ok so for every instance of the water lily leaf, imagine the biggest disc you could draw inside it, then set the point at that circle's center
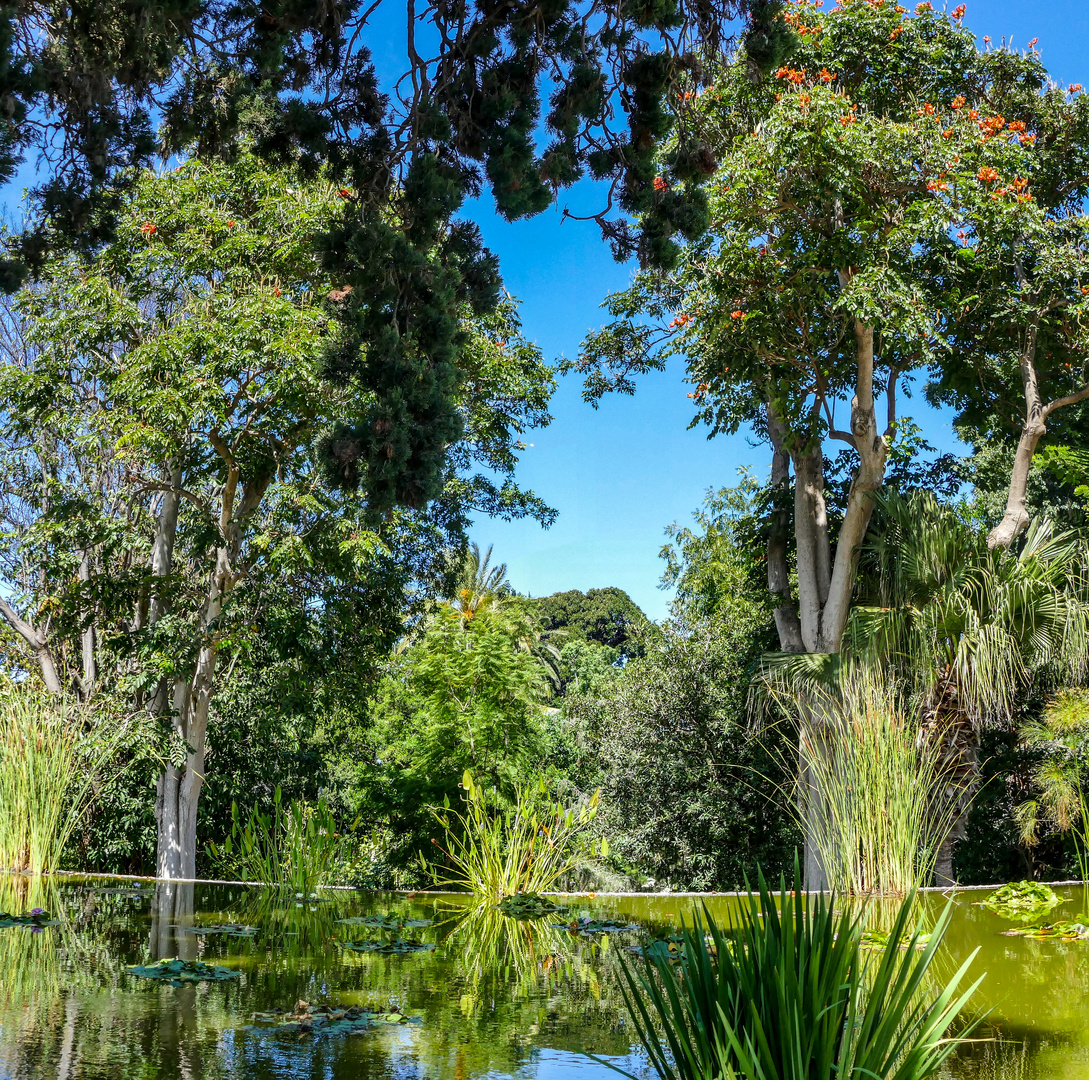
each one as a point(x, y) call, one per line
point(1022, 901)
point(589, 926)
point(1058, 931)
point(668, 947)
point(306, 1019)
point(230, 929)
point(391, 923)
point(180, 972)
point(398, 947)
point(878, 941)
point(528, 906)
point(32, 920)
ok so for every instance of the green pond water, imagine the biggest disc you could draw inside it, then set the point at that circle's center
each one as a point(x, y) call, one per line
point(496, 998)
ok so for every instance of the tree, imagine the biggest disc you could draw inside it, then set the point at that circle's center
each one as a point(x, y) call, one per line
point(826, 275)
point(607, 616)
point(161, 413)
point(1018, 329)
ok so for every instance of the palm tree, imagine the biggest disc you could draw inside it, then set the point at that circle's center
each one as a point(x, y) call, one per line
point(968, 628)
point(479, 587)
point(963, 628)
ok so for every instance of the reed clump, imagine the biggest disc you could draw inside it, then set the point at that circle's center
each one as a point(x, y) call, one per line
point(873, 789)
point(493, 852)
point(792, 991)
point(48, 760)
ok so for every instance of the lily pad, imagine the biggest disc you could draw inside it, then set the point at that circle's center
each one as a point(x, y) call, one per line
point(878, 941)
point(384, 922)
point(1022, 901)
point(528, 906)
point(667, 947)
point(180, 972)
point(1058, 931)
point(585, 925)
point(34, 919)
point(134, 889)
point(230, 929)
point(307, 1019)
point(397, 947)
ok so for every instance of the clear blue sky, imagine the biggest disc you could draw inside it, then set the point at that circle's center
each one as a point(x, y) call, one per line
point(620, 474)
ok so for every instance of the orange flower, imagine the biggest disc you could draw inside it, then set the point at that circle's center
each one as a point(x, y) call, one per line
point(660, 184)
point(826, 75)
point(847, 119)
point(737, 314)
point(1033, 42)
point(992, 125)
point(147, 228)
point(276, 292)
point(927, 109)
point(958, 11)
point(987, 174)
point(344, 193)
point(803, 99)
point(959, 102)
point(230, 224)
point(1074, 89)
point(934, 185)
point(896, 33)
point(925, 6)
point(948, 134)
point(681, 320)
point(1030, 139)
point(1016, 125)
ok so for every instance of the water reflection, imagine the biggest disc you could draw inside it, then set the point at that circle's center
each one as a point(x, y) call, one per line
point(497, 997)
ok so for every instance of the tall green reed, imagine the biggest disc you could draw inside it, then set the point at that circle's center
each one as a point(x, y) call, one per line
point(789, 993)
point(296, 847)
point(872, 794)
point(494, 852)
point(49, 757)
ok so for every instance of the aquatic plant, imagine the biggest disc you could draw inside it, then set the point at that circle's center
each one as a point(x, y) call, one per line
point(495, 852)
point(307, 1019)
point(396, 947)
point(228, 929)
point(296, 848)
point(392, 923)
point(585, 925)
point(872, 794)
point(1078, 930)
point(180, 972)
point(48, 765)
point(529, 905)
point(796, 997)
point(1022, 900)
point(35, 919)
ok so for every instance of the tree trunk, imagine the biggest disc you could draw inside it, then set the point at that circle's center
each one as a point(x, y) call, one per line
point(786, 611)
point(87, 635)
point(38, 642)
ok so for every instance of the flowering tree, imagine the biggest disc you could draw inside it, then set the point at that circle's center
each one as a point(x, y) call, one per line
point(825, 279)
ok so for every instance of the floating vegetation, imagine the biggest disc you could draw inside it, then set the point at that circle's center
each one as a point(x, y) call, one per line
point(391, 923)
point(230, 929)
point(1059, 931)
point(307, 1019)
point(34, 920)
point(586, 925)
point(667, 947)
point(528, 906)
point(878, 941)
point(134, 889)
point(180, 972)
point(1022, 901)
point(397, 947)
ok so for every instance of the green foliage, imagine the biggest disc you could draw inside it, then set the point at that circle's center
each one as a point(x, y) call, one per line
point(870, 789)
point(796, 996)
point(495, 852)
point(182, 972)
point(607, 616)
point(1058, 931)
point(1022, 900)
point(50, 757)
point(307, 1019)
point(295, 848)
point(528, 906)
point(690, 794)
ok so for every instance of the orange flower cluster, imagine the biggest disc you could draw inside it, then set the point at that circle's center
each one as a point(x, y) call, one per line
point(680, 321)
point(926, 110)
point(1032, 43)
point(847, 118)
point(737, 315)
point(147, 228)
point(948, 134)
point(660, 184)
point(804, 99)
point(700, 390)
point(1075, 88)
point(959, 102)
point(896, 33)
point(344, 193)
point(958, 11)
point(1030, 139)
point(937, 185)
point(826, 75)
point(987, 174)
point(925, 6)
point(792, 75)
point(991, 125)
point(1017, 125)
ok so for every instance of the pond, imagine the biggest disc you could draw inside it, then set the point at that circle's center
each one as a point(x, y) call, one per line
point(494, 998)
